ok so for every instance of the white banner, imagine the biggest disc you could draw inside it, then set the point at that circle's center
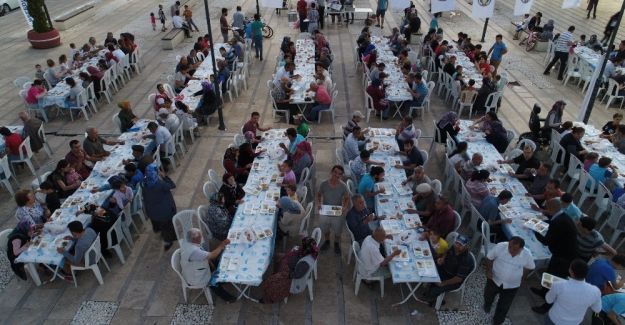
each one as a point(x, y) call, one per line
point(567, 4)
point(29, 19)
point(483, 8)
point(443, 5)
point(399, 5)
point(271, 3)
point(593, 80)
point(522, 7)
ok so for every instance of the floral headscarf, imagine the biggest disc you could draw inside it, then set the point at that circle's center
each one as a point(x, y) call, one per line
point(309, 246)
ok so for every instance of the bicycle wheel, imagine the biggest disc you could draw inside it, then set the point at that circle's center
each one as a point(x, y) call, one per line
point(267, 31)
point(530, 45)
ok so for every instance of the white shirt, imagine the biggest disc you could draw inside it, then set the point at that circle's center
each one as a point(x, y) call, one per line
point(562, 44)
point(370, 255)
point(161, 136)
point(279, 74)
point(571, 299)
point(508, 269)
point(350, 148)
point(177, 21)
point(119, 54)
point(172, 122)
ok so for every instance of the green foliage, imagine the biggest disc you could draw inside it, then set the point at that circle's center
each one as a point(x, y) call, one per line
point(41, 24)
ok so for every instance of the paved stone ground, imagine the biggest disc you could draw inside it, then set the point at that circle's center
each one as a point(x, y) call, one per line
point(145, 290)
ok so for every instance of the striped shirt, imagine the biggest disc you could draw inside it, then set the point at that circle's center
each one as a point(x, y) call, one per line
point(586, 245)
point(562, 44)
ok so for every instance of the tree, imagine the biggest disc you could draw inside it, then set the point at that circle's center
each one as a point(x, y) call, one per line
point(41, 20)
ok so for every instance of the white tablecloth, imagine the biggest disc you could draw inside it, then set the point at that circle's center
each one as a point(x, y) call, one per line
point(518, 208)
point(56, 95)
point(397, 88)
point(305, 67)
point(242, 262)
point(593, 143)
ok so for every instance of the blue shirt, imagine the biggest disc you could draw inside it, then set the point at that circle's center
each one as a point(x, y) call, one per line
point(600, 272)
point(599, 173)
point(613, 303)
point(498, 49)
point(382, 5)
point(298, 138)
point(421, 89)
point(489, 209)
point(367, 184)
point(573, 211)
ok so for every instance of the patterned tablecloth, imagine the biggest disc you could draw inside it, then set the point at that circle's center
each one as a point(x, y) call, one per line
point(469, 71)
point(54, 230)
point(245, 261)
point(56, 95)
point(593, 143)
point(205, 70)
point(392, 205)
point(305, 67)
point(397, 88)
point(518, 209)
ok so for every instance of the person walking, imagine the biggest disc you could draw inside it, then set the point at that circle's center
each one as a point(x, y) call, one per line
point(321, 8)
point(161, 17)
point(609, 28)
point(153, 21)
point(497, 52)
point(257, 36)
point(223, 23)
point(238, 21)
point(187, 14)
point(561, 52)
point(592, 6)
point(506, 265)
point(313, 18)
point(380, 12)
point(302, 11)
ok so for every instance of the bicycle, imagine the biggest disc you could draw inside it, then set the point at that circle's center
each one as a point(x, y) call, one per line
point(267, 30)
point(530, 41)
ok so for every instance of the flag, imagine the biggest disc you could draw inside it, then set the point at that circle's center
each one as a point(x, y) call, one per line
point(271, 3)
point(593, 80)
point(522, 7)
point(483, 8)
point(566, 4)
point(443, 5)
point(24, 7)
point(398, 5)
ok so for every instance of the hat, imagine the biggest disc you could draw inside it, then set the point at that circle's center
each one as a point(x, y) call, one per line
point(163, 111)
point(424, 188)
point(124, 104)
point(137, 147)
point(462, 240)
point(160, 101)
point(358, 114)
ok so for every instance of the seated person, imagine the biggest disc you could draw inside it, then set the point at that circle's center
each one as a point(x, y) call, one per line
point(590, 241)
point(453, 268)
point(294, 140)
point(17, 242)
point(612, 305)
point(217, 217)
point(526, 161)
point(571, 210)
point(405, 131)
point(322, 99)
point(78, 158)
point(489, 209)
point(232, 192)
point(102, 219)
point(467, 168)
point(52, 201)
point(287, 174)
point(357, 117)
point(373, 263)
point(417, 178)
point(81, 238)
point(253, 125)
point(424, 200)
point(360, 164)
point(126, 116)
point(358, 218)
point(540, 180)
point(28, 209)
point(12, 142)
point(367, 187)
point(438, 245)
point(602, 273)
point(602, 170)
point(196, 262)
point(377, 91)
point(292, 212)
point(168, 120)
point(94, 144)
point(443, 219)
point(413, 157)
point(477, 186)
point(551, 190)
point(354, 143)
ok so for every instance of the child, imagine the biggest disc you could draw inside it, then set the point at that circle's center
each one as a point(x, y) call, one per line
point(161, 16)
point(51, 199)
point(39, 75)
point(286, 171)
point(72, 177)
point(591, 158)
point(153, 21)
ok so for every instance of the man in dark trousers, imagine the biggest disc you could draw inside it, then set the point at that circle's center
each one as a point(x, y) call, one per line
point(561, 52)
point(561, 238)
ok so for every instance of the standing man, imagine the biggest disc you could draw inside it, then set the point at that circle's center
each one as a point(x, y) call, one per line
point(175, 7)
point(571, 298)
point(496, 52)
point(379, 13)
point(333, 192)
point(162, 18)
point(302, 11)
point(257, 36)
point(592, 6)
point(561, 52)
point(507, 264)
point(238, 21)
point(188, 17)
point(321, 7)
point(223, 23)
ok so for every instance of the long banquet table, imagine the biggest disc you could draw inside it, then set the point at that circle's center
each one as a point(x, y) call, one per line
point(518, 209)
point(593, 143)
point(415, 264)
point(304, 67)
point(397, 88)
point(44, 251)
point(252, 233)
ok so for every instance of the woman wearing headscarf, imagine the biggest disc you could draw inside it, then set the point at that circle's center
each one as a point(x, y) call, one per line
point(126, 116)
point(448, 124)
point(292, 212)
point(232, 192)
point(547, 33)
point(159, 203)
point(377, 93)
point(230, 164)
point(217, 218)
point(292, 271)
point(18, 242)
point(302, 158)
point(208, 103)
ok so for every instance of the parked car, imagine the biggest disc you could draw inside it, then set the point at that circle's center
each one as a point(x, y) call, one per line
point(8, 5)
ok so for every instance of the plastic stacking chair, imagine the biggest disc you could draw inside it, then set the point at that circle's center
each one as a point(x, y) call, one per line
point(118, 233)
point(439, 299)
point(175, 264)
point(93, 256)
point(362, 276)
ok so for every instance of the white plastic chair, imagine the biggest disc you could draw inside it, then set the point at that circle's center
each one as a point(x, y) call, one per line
point(439, 299)
point(437, 187)
point(573, 172)
point(175, 264)
point(353, 240)
point(90, 264)
point(359, 273)
point(331, 109)
point(117, 230)
point(171, 156)
point(42, 136)
point(303, 226)
point(602, 202)
point(20, 81)
point(369, 106)
point(26, 156)
point(317, 236)
point(467, 99)
point(117, 121)
point(573, 70)
point(424, 155)
point(81, 106)
point(458, 221)
point(179, 140)
point(302, 194)
point(7, 173)
point(185, 220)
point(614, 219)
point(304, 177)
point(239, 139)
point(4, 239)
point(587, 187)
point(275, 107)
point(612, 93)
point(212, 176)
point(556, 151)
point(136, 205)
point(33, 109)
point(491, 102)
